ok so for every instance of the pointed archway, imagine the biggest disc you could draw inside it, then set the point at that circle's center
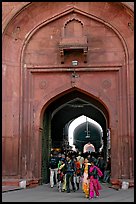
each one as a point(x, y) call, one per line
point(61, 111)
point(83, 130)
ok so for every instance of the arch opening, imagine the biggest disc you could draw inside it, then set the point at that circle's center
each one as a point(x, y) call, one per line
point(56, 124)
point(83, 130)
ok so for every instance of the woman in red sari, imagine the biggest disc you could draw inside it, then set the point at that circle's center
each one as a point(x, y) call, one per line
point(94, 173)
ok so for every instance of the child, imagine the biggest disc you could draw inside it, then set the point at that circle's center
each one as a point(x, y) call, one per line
point(60, 174)
point(77, 174)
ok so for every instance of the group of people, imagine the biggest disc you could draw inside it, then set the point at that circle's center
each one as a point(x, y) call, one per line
point(90, 182)
point(68, 171)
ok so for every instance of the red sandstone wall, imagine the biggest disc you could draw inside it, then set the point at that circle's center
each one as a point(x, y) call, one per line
point(42, 49)
point(9, 9)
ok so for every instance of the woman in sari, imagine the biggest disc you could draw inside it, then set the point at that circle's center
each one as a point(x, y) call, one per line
point(94, 173)
point(85, 178)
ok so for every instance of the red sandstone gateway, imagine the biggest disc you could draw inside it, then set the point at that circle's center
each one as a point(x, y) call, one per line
point(62, 61)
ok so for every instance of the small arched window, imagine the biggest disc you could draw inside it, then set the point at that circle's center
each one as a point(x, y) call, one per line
point(73, 28)
point(73, 39)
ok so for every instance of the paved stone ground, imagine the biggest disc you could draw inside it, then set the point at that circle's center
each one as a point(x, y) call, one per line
point(44, 193)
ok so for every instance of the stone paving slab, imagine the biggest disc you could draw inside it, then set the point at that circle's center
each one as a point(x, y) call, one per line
point(44, 193)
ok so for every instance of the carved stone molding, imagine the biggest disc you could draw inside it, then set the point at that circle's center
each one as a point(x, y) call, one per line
point(106, 84)
point(43, 84)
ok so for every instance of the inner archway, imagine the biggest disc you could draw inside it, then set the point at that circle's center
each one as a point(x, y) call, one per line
point(83, 130)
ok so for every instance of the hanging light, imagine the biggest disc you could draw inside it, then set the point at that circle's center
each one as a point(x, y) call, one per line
point(87, 130)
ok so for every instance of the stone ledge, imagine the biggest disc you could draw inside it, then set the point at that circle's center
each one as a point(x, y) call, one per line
point(117, 183)
point(15, 183)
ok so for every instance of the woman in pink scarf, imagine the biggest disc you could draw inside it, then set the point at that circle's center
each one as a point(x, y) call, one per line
point(94, 173)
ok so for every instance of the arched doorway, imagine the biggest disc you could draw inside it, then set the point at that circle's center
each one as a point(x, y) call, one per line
point(60, 112)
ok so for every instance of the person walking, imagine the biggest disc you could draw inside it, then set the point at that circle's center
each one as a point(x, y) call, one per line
point(85, 177)
point(107, 171)
point(61, 174)
point(80, 158)
point(77, 174)
point(53, 166)
point(70, 172)
point(101, 164)
point(64, 172)
point(94, 173)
